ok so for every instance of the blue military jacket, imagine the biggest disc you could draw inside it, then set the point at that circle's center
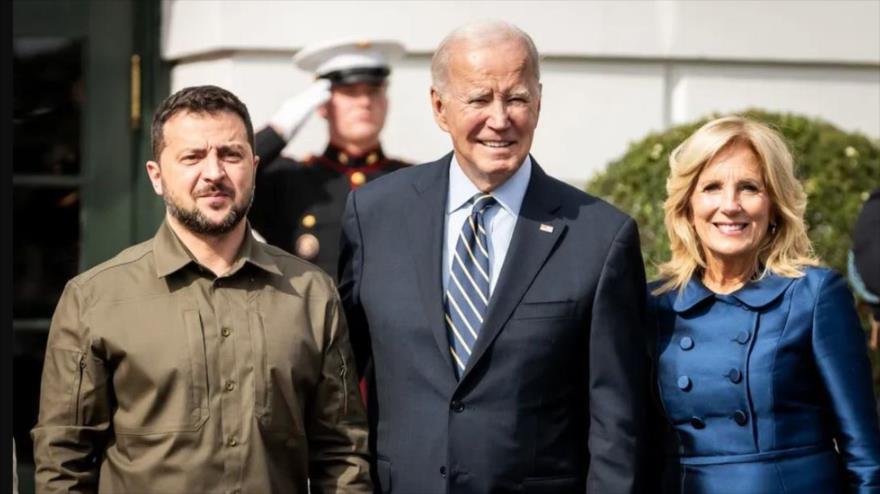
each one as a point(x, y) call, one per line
point(759, 385)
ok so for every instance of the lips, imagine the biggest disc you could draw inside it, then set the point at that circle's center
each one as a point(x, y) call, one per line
point(497, 144)
point(731, 228)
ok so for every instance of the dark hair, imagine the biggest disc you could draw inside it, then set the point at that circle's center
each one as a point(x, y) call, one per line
point(197, 99)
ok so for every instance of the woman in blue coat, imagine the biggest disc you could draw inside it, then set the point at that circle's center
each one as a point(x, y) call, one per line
point(761, 365)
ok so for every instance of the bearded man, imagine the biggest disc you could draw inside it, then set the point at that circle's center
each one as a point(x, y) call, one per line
point(201, 360)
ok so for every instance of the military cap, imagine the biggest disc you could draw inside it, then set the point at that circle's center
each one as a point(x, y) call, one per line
point(350, 61)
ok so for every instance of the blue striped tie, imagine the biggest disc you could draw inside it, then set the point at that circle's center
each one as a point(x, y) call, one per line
point(467, 293)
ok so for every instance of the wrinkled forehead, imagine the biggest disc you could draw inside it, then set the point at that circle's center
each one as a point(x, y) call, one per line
point(473, 61)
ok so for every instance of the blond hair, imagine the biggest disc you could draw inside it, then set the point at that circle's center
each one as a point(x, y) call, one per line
point(785, 251)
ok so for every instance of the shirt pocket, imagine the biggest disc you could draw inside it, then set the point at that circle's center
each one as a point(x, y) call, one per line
point(165, 380)
point(276, 404)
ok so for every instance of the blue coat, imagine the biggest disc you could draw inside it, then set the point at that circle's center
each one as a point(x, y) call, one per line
point(758, 385)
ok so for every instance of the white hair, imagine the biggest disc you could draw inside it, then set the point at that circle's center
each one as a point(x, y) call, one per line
point(480, 33)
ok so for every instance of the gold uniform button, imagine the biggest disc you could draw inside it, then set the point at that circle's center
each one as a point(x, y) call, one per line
point(372, 158)
point(307, 246)
point(309, 220)
point(343, 158)
point(358, 178)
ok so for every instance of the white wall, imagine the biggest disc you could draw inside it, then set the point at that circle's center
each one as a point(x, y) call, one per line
point(612, 71)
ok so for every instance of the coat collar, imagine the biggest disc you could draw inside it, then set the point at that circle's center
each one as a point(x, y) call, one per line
point(755, 294)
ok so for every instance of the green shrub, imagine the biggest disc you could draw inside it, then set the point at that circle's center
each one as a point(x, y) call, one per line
point(838, 170)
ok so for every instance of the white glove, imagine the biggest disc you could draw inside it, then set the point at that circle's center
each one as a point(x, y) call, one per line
point(294, 111)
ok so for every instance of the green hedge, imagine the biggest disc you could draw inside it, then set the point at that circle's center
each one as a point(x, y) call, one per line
point(838, 170)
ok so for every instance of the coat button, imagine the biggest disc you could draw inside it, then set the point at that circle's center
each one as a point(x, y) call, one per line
point(684, 383)
point(229, 386)
point(697, 423)
point(443, 471)
point(734, 375)
point(740, 417)
point(743, 337)
point(686, 343)
point(457, 406)
point(225, 332)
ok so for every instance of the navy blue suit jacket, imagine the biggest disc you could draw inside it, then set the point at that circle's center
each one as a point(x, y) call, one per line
point(553, 396)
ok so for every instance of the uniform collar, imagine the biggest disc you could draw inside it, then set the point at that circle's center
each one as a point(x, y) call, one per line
point(754, 294)
point(171, 255)
point(337, 155)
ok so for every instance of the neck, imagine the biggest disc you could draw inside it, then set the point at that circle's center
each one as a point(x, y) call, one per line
point(728, 276)
point(355, 148)
point(215, 252)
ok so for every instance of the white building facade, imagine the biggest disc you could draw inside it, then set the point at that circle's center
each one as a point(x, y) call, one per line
point(612, 71)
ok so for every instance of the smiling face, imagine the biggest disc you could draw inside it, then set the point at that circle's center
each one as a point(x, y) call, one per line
point(731, 208)
point(489, 106)
point(205, 172)
point(356, 114)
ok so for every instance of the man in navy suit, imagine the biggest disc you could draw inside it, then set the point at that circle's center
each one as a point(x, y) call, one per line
point(503, 309)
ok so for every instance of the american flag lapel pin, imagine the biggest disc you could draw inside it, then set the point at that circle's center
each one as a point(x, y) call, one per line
point(546, 228)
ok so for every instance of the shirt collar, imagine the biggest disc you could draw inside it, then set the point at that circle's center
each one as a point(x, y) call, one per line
point(509, 195)
point(754, 294)
point(171, 254)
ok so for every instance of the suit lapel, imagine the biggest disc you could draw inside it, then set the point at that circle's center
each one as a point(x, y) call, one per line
point(530, 246)
point(426, 214)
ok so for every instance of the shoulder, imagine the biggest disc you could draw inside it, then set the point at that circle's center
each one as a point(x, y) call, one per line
point(304, 276)
point(661, 301)
point(137, 257)
point(575, 198)
point(118, 277)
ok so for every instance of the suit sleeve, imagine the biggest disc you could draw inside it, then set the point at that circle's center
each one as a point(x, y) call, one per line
point(337, 430)
point(842, 359)
point(75, 405)
point(351, 264)
point(618, 369)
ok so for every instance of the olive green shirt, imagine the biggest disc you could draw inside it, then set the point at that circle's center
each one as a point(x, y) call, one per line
point(161, 377)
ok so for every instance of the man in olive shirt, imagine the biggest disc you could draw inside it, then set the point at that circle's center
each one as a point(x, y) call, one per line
point(201, 360)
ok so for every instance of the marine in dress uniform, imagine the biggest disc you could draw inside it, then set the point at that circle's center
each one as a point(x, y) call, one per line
point(299, 203)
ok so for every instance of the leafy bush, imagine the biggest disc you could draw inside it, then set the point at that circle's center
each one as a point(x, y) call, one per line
point(838, 170)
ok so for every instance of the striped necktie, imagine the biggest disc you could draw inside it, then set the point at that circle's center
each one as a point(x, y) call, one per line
point(467, 294)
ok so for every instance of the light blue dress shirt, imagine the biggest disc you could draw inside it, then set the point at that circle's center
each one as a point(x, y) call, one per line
point(501, 218)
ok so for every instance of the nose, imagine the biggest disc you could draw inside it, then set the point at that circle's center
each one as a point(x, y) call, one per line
point(498, 117)
point(730, 203)
point(214, 169)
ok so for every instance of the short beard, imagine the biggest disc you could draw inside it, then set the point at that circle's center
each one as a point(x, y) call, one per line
point(196, 222)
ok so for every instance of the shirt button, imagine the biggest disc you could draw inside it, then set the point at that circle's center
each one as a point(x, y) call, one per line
point(457, 406)
point(230, 385)
point(225, 332)
point(686, 343)
point(743, 337)
point(443, 471)
point(684, 383)
point(697, 423)
point(740, 417)
point(232, 442)
point(734, 375)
